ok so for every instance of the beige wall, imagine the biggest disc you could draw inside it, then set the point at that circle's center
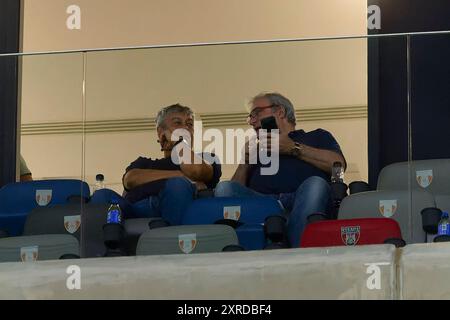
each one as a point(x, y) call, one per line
point(107, 23)
point(213, 80)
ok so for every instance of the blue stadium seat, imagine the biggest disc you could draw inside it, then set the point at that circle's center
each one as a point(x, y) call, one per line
point(19, 199)
point(249, 214)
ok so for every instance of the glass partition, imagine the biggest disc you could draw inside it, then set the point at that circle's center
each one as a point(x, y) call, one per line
point(325, 80)
point(93, 113)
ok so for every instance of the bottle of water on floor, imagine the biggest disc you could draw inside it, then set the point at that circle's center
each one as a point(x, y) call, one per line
point(444, 225)
point(114, 212)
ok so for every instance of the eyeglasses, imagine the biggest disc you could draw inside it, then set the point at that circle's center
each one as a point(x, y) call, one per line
point(255, 112)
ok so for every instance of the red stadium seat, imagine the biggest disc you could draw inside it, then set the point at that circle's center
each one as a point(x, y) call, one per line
point(351, 232)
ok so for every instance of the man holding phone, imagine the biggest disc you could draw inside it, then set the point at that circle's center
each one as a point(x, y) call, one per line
point(301, 183)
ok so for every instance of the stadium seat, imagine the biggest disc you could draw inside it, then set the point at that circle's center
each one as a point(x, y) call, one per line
point(41, 247)
point(430, 175)
point(18, 199)
point(134, 228)
point(84, 222)
point(252, 236)
point(443, 202)
point(403, 206)
point(350, 232)
point(247, 215)
point(186, 239)
point(59, 219)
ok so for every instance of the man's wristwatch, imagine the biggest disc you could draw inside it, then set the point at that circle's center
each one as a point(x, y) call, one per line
point(297, 150)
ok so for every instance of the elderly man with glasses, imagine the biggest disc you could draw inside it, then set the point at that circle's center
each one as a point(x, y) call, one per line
point(301, 183)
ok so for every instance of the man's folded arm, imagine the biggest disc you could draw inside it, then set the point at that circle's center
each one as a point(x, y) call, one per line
point(137, 177)
point(321, 158)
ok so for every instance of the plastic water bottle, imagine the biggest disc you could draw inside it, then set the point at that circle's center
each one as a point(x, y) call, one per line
point(114, 212)
point(99, 182)
point(444, 225)
point(337, 172)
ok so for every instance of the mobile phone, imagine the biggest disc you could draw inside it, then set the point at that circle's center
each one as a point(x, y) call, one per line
point(269, 123)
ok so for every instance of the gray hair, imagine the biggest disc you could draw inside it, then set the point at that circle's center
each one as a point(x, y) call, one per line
point(277, 99)
point(175, 108)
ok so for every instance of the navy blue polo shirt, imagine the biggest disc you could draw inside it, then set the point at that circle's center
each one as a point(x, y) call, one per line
point(153, 188)
point(293, 171)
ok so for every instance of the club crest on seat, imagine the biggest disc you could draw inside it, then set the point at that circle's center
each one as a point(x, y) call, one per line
point(187, 242)
point(29, 254)
point(350, 235)
point(232, 213)
point(72, 223)
point(387, 207)
point(43, 197)
point(424, 178)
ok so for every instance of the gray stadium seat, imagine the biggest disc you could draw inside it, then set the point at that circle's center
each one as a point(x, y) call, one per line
point(59, 219)
point(86, 222)
point(430, 175)
point(391, 204)
point(443, 202)
point(40, 247)
point(186, 239)
point(134, 228)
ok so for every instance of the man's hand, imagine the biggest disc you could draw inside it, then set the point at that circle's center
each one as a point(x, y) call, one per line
point(166, 142)
point(200, 186)
point(285, 144)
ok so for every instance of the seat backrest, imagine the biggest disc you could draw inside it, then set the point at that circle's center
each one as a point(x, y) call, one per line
point(443, 202)
point(59, 219)
point(186, 239)
point(134, 228)
point(41, 247)
point(247, 210)
point(430, 175)
point(402, 206)
point(83, 221)
point(23, 197)
point(349, 232)
point(91, 238)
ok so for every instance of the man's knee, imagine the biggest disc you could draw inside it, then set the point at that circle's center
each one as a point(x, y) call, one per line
point(104, 195)
point(315, 184)
point(224, 189)
point(179, 184)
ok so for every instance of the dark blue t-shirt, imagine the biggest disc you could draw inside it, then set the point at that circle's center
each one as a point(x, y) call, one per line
point(153, 188)
point(293, 171)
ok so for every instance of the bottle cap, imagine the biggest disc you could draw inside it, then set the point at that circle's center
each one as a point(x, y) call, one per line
point(99, 177)
point(444, 214)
